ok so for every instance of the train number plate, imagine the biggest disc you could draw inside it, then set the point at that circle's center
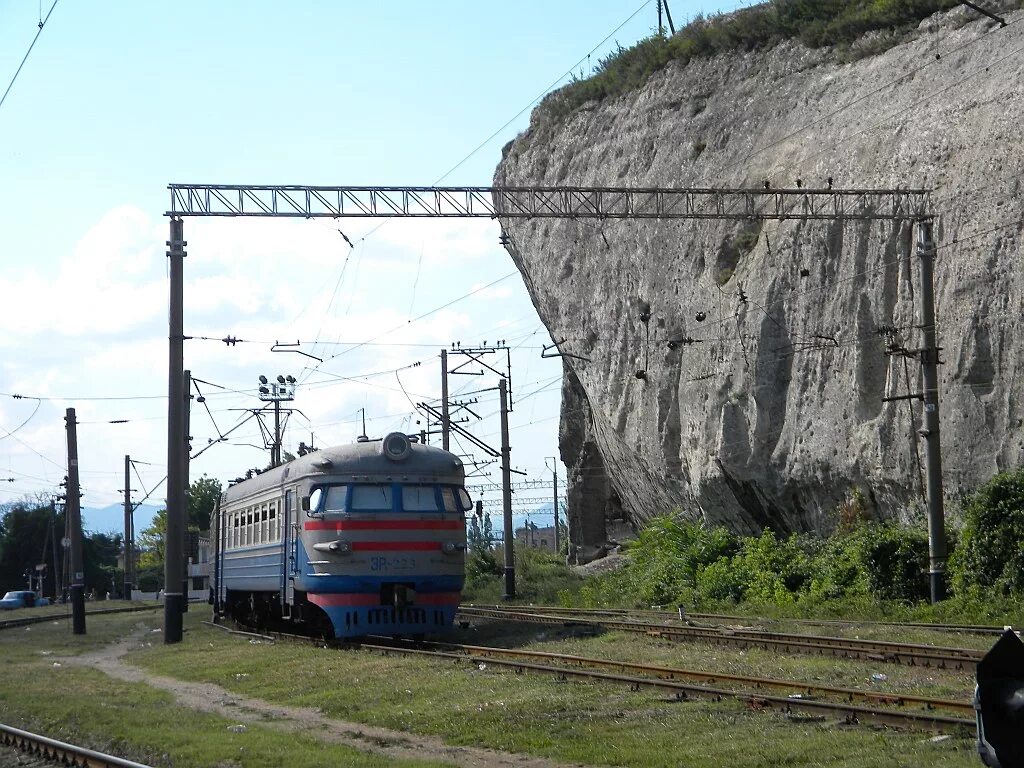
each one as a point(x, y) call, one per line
point(392, 563)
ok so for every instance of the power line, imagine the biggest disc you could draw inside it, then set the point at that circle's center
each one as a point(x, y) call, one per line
point(42, 23)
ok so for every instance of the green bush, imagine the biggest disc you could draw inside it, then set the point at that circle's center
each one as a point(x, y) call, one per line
point(668, 554)
point(990, 555)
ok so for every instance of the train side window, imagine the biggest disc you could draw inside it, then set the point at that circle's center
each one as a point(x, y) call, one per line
point(273, 522)
point(419, 498)
point(375, 498)
point(449, 500)
point(335, 499)
point(315, 497)
point(264, 525)
point(464, 500)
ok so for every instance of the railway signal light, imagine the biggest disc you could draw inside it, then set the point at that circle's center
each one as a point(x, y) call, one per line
point(999, 703)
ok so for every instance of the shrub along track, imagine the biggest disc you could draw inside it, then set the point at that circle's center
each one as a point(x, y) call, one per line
point(911, 654)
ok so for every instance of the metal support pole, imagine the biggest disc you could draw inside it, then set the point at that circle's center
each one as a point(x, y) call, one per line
point(275, 454)
point(175, 542)
point(554, 498)
point(53, 542)
point(445, 421)
point(506, 495)
point(74, 514)
point(128, 541)
point(186, 384)
point(930, 431)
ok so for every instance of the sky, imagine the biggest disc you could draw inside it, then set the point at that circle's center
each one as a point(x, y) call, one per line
point(118, 99)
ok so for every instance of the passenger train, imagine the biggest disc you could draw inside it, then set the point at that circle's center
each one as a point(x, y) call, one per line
point(368, 538)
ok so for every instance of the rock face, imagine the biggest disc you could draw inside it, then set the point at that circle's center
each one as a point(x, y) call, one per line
point(774, 414)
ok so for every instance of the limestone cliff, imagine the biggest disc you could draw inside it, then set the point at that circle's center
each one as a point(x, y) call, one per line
point(774, 414)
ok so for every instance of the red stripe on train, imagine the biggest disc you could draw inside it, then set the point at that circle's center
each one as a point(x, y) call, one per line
point(396, 546)
point(355, 600)
point(385, 525)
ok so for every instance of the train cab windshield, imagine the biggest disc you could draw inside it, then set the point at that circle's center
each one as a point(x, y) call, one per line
point(386, 497)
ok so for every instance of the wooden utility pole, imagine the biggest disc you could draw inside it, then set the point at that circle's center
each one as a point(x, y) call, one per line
point(445, 417)
point(74, 514)
point(506, 495)
point(930, 431)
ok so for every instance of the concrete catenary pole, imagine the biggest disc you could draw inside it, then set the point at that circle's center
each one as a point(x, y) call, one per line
point(930, 431)
point(129, 543)
point(445, 422)
point(506, 495)
point(74, 513)
point(174, 544)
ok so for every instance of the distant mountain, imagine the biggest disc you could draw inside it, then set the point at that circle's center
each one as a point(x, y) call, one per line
point(110, 519)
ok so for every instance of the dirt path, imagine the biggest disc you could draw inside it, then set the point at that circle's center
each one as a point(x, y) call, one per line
point(206, 697)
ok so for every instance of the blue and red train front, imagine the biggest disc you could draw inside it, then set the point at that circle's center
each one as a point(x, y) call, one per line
point(383, 551)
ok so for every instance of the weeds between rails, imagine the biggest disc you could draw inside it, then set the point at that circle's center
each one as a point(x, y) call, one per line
point(959, 659)
point(668, 679)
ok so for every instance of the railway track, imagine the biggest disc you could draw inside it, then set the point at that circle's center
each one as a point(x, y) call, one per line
point(59, 751)
point(672, 680)
point(664, 615)
point(911, 654)
point(25, 621)
point(891, 709)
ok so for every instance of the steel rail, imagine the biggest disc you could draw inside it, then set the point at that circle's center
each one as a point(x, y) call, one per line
point(672, 673)
point(67, 754)
point(901, 653)
point(25, 621)
point(978, 629)
point(851, 713)
point(664, 678)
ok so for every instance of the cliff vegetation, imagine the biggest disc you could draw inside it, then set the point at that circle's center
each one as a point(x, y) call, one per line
point(815, 23)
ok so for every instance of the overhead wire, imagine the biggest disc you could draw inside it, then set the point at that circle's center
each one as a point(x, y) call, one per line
point(42, 24)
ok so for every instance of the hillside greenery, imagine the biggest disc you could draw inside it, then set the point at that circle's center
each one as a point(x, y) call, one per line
point(815, 23)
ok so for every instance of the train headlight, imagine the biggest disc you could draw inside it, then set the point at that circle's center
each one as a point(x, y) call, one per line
point(335, 547)
point(450, 547)
point(396, 446)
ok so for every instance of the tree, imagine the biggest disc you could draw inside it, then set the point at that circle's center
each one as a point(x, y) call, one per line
point(991, 550)
point(99, 559)
point(202, 501)
point(24, 542)
point(151, 542)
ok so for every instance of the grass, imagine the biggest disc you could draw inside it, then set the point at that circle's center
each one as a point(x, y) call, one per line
point(588, 723)
point(478, 705)
point(86, 707)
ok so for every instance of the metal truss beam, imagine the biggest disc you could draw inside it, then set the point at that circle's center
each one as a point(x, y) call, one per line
point(297, 201)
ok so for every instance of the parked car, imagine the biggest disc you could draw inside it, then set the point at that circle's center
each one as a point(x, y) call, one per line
point(21, 598)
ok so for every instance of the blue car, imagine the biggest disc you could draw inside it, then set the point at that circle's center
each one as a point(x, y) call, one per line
point(21, 598)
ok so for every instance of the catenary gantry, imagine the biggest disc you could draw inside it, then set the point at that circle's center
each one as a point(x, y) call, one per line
point(299, 201)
